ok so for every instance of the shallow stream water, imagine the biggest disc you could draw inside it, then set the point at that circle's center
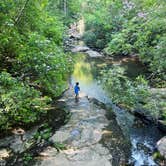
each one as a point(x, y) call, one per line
point(142, 137)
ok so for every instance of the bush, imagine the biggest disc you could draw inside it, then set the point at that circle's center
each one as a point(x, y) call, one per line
point(133, 94)
point(90, 38)
point(100, 43)
point(130, 27)
point(130, 94)
point(19, 103)
point(118, 45)
point(43, 64)
point(31, 50)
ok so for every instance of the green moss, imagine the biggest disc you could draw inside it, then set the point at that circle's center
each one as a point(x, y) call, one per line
point(158, 156)
point(59, 146)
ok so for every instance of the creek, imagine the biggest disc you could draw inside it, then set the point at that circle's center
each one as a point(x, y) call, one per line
point(143, 137)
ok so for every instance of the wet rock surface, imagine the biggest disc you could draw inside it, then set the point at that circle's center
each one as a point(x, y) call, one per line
point(93, 54)
point(161, 146)
point(82, 136)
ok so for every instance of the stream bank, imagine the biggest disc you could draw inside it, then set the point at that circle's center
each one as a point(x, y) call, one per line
point(140, 134)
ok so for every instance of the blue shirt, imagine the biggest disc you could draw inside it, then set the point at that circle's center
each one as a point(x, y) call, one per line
point(76, 89)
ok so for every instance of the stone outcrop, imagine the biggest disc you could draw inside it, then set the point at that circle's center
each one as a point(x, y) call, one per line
point(81, 135)
point(80, 49)
point(161, 146)
point(17, 143)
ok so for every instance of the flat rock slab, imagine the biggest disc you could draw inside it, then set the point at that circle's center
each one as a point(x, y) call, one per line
point(93, 54)
point(87, 156)
point(80, 49)
point(81, 135)
point(16, 144)
point(60, 136)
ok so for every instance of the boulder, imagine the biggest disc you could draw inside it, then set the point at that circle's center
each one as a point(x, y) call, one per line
point(161, 146)
point(75, 36)
point(93, 54)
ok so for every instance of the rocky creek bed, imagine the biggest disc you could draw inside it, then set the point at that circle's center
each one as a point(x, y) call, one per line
point(84, 136)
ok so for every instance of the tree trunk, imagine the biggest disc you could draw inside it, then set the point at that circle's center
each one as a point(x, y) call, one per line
point(65, 7)
point(21, 12)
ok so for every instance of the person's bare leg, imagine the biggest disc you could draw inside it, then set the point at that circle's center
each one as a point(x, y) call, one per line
point(76, 98)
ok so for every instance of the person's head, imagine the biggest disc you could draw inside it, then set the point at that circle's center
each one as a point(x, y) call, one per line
point(77, 83)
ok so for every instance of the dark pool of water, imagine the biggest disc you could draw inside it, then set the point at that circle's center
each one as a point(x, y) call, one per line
point(141, 136)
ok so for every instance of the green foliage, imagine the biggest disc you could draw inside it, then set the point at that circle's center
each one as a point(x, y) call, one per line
point(59, 146)
point(67, 10)
point(27, 158)
point(53, 29)
point(129, 27)
point(101, 22)
point(89, 38)
point(31, 50)
point(44, 133)
point(163, 105)
point(158, 156)
point(119, 45)
point(130, 94)
point(20, 104)
point(45, 65)
point(123, 91)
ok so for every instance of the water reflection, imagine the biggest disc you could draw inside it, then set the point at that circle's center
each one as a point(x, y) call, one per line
point(82, 70)
point(85, 72)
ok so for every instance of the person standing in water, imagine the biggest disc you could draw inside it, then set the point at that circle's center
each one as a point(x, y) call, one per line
point(76, 90)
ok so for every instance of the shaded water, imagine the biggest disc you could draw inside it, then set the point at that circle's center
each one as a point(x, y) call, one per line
point(141, 136)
